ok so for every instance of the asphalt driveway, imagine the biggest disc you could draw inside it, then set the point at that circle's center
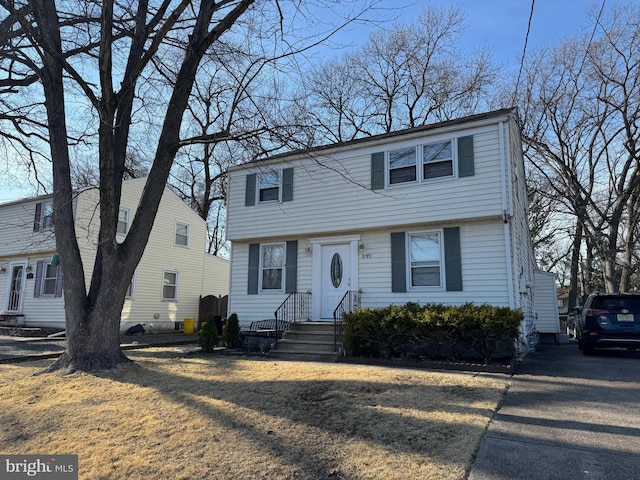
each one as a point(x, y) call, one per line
point(566, 416)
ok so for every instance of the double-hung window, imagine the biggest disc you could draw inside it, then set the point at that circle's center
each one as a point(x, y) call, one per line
point(402, 165)
point(182, 234)
point(418, 164)
point(46, 216)
point(272, 266)
point(425, 250)
point(49, 279)
point(123, 221)
point(437, 160)
point(170, 285)
point(269, 186)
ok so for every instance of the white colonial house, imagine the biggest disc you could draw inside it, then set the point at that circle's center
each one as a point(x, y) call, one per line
point(173, 273)
point(436, 213)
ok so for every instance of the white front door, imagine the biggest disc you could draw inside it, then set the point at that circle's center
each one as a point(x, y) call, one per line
point(15, 288)
point(336, 276)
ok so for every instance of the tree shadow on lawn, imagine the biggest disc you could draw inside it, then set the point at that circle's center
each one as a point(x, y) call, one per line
point(308, 423)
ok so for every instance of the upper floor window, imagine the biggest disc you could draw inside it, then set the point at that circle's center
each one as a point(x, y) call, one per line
point(402, 165)
point(170, 285)
point(272, 266)
point(43, 219)
point(425, 263)
point(269, 186)
point(182, 234)
point(123, 221)
point(437, 160)
point(434, 159)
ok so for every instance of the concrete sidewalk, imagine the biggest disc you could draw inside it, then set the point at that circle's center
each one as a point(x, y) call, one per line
point(17, 349)
point(566, 417)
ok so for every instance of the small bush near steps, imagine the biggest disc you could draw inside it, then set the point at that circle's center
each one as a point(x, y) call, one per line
point(208, 338)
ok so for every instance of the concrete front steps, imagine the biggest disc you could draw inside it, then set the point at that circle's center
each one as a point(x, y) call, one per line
point(308, 341)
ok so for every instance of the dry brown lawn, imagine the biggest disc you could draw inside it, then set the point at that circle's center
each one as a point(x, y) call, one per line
point(175, 416)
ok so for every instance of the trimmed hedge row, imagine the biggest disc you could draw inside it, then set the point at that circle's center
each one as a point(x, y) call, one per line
point(434, 331)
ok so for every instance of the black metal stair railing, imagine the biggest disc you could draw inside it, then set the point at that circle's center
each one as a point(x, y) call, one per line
point(350, 301)
point(295, 308)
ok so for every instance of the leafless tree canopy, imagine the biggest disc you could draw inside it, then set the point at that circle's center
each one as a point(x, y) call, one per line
point(101, 89)
point(580, 108)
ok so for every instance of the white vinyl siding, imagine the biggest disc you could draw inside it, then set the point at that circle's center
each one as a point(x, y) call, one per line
point(200, 274)
point(483, 269)
point(338, 200)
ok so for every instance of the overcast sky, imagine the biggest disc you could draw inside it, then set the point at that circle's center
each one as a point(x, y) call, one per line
point(499, 24)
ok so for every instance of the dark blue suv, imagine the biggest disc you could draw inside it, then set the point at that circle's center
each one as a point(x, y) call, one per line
point(609, 320)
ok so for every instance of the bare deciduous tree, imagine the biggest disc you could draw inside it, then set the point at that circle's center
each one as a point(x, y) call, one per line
point(104, 58)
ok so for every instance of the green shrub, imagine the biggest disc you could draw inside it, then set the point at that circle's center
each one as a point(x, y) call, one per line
point(208, 338)
point(232, 334)
point(433, 330)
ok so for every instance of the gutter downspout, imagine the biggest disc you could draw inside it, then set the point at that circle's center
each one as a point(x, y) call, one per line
point(507, 228)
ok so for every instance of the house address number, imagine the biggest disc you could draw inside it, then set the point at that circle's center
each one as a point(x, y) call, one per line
point(366, 255)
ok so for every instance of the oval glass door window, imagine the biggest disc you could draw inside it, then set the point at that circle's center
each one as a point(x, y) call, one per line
point(336, 270)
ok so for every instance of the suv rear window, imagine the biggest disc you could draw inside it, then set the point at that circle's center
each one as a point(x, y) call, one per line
point(616, 303)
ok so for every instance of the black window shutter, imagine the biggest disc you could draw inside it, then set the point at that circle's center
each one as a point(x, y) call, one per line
point(38, 284)
point(250, 190)
point(398, 262)
point(377, 171)
point(254, 268)
point(465, 156)
point(452, 259)
point(291, 267)
point(287, 184)
point(36, 217)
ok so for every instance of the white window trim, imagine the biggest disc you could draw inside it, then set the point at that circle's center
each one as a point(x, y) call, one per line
point(164, 299)
point(279, 199)
point(410, 285)
point(126, 228)
point(420, 164)
point(175, 234)
point(284, 270)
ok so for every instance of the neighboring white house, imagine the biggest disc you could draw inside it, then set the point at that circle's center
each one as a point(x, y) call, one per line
point(436, 213)
point(173, 273)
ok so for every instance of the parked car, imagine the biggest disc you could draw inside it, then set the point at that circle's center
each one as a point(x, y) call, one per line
point(609, 320)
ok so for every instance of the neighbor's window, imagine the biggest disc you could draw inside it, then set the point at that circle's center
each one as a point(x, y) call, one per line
point(182, 234)
point(269, 186)
point(272, 266)
point(426, 259)
point(123, 221)
point(170, 286)
point(46, 216)
point(49, 279)
point(130, 288)
point(402, 165)
point(437, 160)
